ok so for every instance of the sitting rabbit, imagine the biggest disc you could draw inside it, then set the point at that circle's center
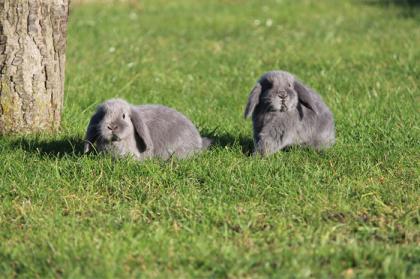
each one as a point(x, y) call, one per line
point(142, 131)
point(285, 112)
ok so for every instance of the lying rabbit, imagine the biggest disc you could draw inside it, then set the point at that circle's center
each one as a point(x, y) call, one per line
point(285, 112)
point(142, 131)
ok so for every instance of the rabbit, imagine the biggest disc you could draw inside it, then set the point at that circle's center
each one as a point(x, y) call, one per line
point(286, 112)
point(144, 131)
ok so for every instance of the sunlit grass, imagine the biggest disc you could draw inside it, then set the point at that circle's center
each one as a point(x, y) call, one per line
point(350, 211)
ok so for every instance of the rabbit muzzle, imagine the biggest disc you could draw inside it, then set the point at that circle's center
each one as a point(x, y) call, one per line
point(282, 96)
point(114, 132)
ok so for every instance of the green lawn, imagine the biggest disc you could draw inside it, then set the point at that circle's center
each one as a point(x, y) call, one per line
point(351, 211)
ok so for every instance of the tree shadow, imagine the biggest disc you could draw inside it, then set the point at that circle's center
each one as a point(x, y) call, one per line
point(50, 148)
point(222, 139)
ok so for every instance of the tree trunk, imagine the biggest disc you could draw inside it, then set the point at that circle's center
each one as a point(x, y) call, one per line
point(32, 60)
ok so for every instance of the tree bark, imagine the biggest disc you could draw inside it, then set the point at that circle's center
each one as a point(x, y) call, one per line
point(32, 59)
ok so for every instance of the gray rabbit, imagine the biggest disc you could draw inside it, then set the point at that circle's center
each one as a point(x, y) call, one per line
point(286, 112)
point(142, 131)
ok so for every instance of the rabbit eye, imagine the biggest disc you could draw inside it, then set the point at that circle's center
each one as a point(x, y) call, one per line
point(123, 115)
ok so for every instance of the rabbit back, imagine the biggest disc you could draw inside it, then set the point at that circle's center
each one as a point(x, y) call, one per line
point(317, 129)
point(171, 132)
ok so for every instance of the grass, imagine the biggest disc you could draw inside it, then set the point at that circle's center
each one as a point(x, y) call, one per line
point(351, 211)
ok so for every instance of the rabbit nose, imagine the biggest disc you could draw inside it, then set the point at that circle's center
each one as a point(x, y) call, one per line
point(112, 127)
point(282, 94)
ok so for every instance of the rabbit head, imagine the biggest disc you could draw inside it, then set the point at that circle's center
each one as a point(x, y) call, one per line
point(116, 120)
point(278, 91)
point(116, 124)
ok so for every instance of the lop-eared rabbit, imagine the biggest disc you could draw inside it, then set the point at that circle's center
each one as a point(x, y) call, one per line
point(286, 112)
point(143, 131)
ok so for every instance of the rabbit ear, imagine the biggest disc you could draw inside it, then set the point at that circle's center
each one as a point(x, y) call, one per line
point(253, 99)
point(141, 129)
point(304, 95)
point(92, 132)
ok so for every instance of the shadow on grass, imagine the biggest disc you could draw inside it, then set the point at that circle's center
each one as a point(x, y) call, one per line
point(247, 143)
point(409, 8)
point(74, 145)
point(228, 140)
point(407, 3)
point(50, 148)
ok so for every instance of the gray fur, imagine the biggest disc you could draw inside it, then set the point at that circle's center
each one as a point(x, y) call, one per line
point(286, 112)
point(146, 131)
